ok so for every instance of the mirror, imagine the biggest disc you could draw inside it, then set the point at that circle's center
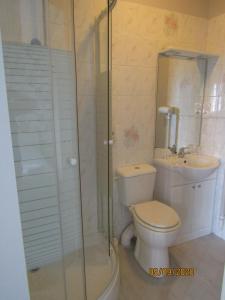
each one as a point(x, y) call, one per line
point(180, 95)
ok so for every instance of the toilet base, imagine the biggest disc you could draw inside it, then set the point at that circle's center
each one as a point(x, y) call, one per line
point(151, 257)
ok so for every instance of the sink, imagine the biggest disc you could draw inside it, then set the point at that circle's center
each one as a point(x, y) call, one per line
point(191, 166)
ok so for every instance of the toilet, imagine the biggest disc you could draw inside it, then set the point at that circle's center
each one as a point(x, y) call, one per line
point(156, 224)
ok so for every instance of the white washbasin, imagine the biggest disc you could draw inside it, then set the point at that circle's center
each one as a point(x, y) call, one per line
point(192, 166)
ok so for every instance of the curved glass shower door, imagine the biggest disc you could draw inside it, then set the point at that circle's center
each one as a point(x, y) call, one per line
point(92, 57)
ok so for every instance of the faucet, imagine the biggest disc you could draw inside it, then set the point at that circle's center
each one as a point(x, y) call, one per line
point(183, 151)
point(173, 149)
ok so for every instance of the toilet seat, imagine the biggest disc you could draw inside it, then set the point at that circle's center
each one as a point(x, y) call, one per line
point(156, 216)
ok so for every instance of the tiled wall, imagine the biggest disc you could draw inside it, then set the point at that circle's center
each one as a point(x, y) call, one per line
point(213, 127)
point(139, 32)
point(43, 132)
point(59, 24)
point(52, 28)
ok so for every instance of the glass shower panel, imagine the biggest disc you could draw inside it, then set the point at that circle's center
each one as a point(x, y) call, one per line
point(39, 67)
point(92, 55)
point(102, 118)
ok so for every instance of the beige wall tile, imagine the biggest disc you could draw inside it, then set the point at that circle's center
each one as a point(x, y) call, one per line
point(198, 8)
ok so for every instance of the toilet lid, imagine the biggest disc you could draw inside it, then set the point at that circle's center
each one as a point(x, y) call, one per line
point(156, 214)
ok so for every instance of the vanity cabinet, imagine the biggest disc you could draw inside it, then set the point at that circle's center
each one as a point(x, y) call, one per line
point(194, 204)
point(193, 201)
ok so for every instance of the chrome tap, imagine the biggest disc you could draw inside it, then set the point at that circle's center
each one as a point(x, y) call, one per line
point(183, 151)
point(173, 149)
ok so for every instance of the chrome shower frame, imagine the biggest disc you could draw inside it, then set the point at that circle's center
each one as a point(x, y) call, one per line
point(112, 4)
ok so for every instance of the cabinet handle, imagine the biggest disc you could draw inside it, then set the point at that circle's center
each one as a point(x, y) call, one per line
point(193, 186)
point(199, 186)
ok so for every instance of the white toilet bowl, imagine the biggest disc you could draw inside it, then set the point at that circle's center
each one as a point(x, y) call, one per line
point(156, 226)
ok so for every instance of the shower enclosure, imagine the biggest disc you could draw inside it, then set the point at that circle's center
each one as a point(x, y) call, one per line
point(57, 68)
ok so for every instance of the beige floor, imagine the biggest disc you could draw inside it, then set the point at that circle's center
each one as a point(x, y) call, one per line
point(207, 254)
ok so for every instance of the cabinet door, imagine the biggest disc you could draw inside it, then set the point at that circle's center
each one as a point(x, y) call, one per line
point(203, 205)
point(182, 200)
